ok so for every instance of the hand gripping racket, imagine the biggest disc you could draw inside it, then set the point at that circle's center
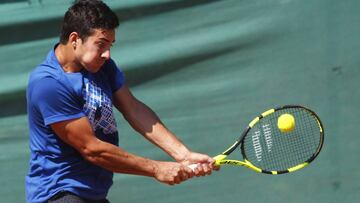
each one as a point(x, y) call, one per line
point(267, 149)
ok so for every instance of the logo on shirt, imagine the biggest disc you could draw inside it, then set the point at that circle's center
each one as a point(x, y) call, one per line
point(98, 108)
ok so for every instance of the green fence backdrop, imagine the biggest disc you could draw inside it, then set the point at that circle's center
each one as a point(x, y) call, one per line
point(207, 67)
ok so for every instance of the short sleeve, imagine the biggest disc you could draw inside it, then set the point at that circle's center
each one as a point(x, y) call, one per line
point(115, 75)
point(55, 101)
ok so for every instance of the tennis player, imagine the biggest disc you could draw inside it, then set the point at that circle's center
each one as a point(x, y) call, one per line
point(73, 132)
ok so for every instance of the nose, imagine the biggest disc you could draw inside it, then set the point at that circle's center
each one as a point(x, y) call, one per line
point(106, 55)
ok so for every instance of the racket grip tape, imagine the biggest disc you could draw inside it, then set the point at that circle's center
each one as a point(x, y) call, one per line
point(193, 166)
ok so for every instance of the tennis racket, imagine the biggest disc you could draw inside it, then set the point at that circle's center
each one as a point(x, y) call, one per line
point(267, 149)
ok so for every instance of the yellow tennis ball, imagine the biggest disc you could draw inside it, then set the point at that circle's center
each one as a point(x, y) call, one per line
point(286, 123)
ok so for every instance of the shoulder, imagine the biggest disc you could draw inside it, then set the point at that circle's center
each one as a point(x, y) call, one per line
point(43, 71)
point(49, 68)
point(44, 86)
point(43, 79)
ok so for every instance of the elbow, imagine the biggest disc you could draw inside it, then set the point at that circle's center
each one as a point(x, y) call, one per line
point(91, 152)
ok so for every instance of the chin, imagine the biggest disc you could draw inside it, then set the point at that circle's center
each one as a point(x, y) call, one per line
point(93, 69)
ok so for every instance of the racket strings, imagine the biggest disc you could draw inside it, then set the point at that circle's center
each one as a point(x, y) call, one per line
point(268, 148)
point(310, 144)
point(300, 148)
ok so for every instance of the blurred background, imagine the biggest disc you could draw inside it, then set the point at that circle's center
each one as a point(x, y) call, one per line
point(206, 67)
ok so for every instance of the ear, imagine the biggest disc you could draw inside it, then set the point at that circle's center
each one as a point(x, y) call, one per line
point(73, 38)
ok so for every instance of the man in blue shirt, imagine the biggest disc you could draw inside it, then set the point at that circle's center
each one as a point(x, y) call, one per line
point(73, 133)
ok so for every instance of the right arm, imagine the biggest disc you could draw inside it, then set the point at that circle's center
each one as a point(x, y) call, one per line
point(79, 134)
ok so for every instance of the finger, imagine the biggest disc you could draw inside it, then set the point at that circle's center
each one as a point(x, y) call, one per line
point(190, 173)
point(216, 168)
point(183, 176)
point(202, 170)
point(213, 166)
point(197, 171)
point(194, 170)
point(207, 169)
point(211, 160)
point(177, 180)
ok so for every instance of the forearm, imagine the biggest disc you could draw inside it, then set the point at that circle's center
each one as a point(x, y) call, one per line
point(147, 123)
point(115, 159)
point(79, 134)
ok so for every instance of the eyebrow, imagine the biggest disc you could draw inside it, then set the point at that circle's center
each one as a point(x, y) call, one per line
point(104, 39)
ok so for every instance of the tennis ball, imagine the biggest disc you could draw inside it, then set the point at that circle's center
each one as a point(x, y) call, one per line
point(286, 123)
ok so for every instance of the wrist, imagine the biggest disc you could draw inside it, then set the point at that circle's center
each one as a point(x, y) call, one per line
point(153, 168)
point(181, 155)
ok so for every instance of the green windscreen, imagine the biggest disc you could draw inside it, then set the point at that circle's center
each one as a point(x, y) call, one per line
point(206, 67)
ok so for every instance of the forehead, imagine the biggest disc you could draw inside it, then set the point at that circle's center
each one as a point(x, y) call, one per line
point(102, 34)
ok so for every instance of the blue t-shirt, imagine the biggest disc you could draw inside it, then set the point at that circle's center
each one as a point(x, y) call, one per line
point(52, 96)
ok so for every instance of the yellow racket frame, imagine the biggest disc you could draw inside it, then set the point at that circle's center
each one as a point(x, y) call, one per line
point(221, 158)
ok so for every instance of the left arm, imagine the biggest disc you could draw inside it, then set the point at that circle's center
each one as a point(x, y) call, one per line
point(147, 123)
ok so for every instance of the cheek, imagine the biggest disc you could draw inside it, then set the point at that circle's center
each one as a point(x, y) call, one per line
point(89, 54)
point(89, 57)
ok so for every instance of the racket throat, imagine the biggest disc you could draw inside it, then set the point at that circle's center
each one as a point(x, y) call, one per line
point(219, 158)
point(249, 165)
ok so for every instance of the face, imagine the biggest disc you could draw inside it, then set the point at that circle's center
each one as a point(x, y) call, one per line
point(95, 49)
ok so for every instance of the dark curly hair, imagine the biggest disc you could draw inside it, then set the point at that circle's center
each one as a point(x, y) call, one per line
point(84, 16)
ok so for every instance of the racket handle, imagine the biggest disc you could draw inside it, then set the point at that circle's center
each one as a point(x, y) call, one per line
point(193, 166)
point(217, 158)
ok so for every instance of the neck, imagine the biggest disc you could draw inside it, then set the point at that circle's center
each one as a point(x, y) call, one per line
point(66, 57)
